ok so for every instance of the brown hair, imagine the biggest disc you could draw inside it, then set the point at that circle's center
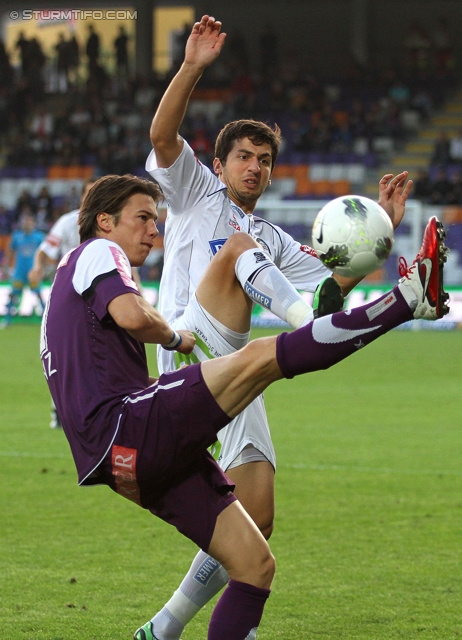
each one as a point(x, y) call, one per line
point(258, 132)
point(110, 194)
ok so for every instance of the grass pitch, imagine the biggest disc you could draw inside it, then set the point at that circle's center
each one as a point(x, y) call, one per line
point(369, 507)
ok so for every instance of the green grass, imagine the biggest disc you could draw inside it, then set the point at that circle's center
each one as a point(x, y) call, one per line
point(369, 508)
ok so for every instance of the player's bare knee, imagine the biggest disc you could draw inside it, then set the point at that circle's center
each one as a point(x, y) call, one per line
point(237, 244)
point(268, 569)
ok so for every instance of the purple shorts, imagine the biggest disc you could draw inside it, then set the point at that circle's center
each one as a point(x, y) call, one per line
point(159, 458)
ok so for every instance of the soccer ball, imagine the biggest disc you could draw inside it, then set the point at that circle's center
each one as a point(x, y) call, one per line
point(352, 236)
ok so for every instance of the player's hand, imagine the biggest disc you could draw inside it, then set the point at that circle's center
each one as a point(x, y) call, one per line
point(205, 42)
point(393, 193)
point(35, 277)
point(188, 342)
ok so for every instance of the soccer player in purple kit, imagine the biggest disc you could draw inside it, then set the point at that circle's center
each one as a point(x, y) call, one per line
point(147, 439)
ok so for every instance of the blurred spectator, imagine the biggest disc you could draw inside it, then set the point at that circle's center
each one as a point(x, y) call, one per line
point(202, 147)
point(455, 195)
point(179, 43)
point(417, 44)
point(441, 153)
point(37, 62)
point(74, 58)
point(92, 47)
point(62, 61)
point(43, 210)
point(422, 186)
point(24, 204)
point(400, 92)
point(121, 52)
point(455, 148)
point(6, 68)
point(42, 122)
point(269, 50)
point(23, 45)
point(442, 45)
point(441, 189)
point(422, 101)
point(237, 48)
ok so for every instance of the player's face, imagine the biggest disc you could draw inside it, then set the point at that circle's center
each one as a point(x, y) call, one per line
point(136, 228)
point(246, 172)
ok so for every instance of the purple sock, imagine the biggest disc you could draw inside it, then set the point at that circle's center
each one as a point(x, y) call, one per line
point(238, 611)
point(327, 340)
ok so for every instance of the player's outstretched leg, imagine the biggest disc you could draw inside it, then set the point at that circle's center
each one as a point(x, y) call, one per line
point(419, 295)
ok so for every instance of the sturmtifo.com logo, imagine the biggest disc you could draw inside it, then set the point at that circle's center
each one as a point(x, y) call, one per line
point(74, 14)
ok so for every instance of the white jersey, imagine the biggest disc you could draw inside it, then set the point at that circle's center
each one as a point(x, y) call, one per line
point(63, 236)
point(200, 218)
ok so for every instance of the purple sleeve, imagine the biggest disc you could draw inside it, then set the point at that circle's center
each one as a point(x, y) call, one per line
point(104, 289)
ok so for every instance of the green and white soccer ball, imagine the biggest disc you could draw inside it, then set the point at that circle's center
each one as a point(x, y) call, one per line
point(353, 236)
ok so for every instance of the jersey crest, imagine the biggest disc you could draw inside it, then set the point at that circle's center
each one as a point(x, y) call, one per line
point(216, 245)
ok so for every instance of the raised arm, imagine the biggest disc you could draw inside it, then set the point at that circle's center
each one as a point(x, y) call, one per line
point(144, 323)
point(393, 193)
point(203, 47)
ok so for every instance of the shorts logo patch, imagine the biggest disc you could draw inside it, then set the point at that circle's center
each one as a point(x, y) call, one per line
point(207, 569)
point(124, 472)
point(258, 296)
point(217, 244)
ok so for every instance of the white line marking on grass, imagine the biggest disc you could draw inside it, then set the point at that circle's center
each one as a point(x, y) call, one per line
point(338, 467)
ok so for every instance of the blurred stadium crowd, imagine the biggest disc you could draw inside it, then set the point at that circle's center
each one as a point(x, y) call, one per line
point(72, 117)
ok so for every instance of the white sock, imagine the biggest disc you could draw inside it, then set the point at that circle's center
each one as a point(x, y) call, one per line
point(205, 578)
point(264, 283)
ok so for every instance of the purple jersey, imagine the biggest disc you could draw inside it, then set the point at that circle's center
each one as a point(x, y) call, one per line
point(90, 363)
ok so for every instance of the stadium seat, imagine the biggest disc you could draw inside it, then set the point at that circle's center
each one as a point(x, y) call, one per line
point(56, 171)
point(341, 188)
point(304, 186)
point(322, 188)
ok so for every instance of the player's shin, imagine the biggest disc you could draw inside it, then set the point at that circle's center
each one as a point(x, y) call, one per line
point(264, 283)
point(238, 612)
point(330, 339)
point(205, 578)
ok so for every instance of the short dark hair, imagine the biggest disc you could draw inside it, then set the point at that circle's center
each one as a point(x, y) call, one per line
point(110, 194)
point(258, 132)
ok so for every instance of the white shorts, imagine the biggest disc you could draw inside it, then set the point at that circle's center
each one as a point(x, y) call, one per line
point(212, 341)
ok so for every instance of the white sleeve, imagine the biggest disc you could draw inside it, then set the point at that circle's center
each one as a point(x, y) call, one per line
point(52, 243)
point(63, 236)
point(99, 259)
point(186, 182)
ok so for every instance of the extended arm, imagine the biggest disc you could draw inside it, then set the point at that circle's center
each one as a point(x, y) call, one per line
point(203, 47)
point(144, 323)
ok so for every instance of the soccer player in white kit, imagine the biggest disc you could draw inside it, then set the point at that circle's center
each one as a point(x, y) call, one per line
point(204, 210)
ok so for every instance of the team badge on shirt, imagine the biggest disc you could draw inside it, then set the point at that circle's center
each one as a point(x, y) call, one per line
point(216, 245)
